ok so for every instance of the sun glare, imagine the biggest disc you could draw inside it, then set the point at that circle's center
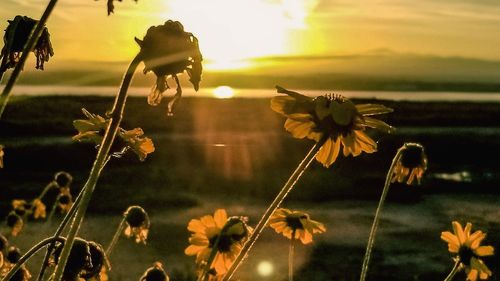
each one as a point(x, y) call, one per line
point(231, 32)
point(223, 92)
point(265, 268)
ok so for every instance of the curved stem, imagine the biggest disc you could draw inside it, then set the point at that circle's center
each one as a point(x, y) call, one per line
point(29, 254)
point(102, 155)
point(454, 271)
point(58, 232)
point(116, 236)
point(290, 256)
point(373, 231)
point(60, 229)
point(33, 39)
point(274, 205)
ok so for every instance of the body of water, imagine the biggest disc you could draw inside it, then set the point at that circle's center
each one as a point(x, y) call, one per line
point(262, 93)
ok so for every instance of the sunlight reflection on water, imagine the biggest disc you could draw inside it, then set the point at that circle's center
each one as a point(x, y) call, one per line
point(261, 93)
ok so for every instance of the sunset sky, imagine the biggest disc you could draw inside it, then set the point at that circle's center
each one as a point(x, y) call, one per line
point(233, 33)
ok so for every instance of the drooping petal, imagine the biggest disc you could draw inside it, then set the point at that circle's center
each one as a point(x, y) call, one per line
point(379, 125)
point(484, 251)
point(373, 109)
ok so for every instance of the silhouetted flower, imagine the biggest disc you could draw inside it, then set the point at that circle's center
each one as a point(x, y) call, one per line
point(298, 223)
point(63, 179)
point(64, 202)
point(137, 223)
point(15, 222)
point(21, 275)
point(111, 6)
point(412, 164)
point(79, 260)
point(232, 234)
point(168, 50)
point(155, 273)
point(94, 270)
point(20, 206)
point(332, 117)
point(13, 254)
point(16, 36)
point(468, 251)
point(94, 128)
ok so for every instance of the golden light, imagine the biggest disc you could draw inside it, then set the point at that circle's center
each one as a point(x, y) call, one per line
point(223, 92)
point(265, 268)
point(232, 32)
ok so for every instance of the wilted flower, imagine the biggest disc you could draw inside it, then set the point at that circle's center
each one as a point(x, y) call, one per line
point(93, 130)
point(135, 141)
point(137, 223)
point(63, 179)
point(1, 156)
point(468, 251)
point(15, 222)
point(411, 165)
point(39, 210)
point(22, 274)
point(16, 36)
point(332, 117)
point(111, 6)
point(155, 273)
point(233, 233)
point(13, 254)
point(79, 260)
point(168, 50)
point(64, 202)
point(97, 268)
point(295, 223)
point(20, 206)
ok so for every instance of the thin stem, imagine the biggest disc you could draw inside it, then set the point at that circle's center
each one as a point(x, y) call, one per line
point(59, 230)
point(116, 115)
point(454, 271)
point(28, 48)
point(290, 256)
point(274, 205)
point(53, 209)
point(29, 254)
point(371, 238)
point(116, 236)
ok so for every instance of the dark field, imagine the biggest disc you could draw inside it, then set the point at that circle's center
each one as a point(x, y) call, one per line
point(234, 154)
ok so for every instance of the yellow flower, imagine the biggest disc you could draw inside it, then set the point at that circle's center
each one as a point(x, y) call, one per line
point(412, 164)
point(467, 248)
point(1, 156)
point(19, 206)
point(295, 222)
point(64, 200)
point(95, 126)
point(96, 270)
point(39, 209)
point(15, 222)
point(16, 36)
point(134, 139)
point(231, 233)
point(91, 129)
point(137, 224)
point(168, 50)
point(332, 117)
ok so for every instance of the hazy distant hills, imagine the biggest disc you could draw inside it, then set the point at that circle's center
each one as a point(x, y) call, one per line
point(375, 70)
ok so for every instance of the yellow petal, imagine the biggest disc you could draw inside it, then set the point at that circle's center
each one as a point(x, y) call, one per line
point(373, 109)
point(459, 232)
point(484, 251)
point(379, 125)
point(299, 129)
point(220, 217)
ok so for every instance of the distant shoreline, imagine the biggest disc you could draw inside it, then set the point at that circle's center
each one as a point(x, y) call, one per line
point(413, 96)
